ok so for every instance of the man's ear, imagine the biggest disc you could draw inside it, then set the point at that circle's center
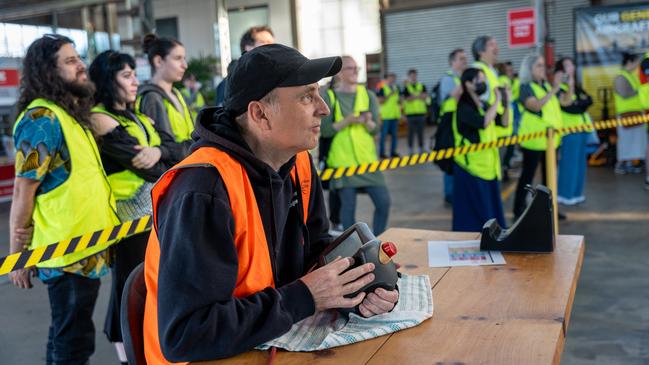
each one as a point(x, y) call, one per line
point(258, 116)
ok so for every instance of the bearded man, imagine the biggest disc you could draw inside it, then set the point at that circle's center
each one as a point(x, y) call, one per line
point(60, 192)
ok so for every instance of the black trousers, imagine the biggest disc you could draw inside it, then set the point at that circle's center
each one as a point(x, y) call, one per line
point(71, 339)
point(128, 254)
point(531, 161)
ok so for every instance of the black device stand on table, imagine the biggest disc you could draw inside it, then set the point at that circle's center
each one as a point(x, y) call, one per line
point(532, 232)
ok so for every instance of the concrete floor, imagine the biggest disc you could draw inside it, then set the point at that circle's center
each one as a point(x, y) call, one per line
point(610, 317)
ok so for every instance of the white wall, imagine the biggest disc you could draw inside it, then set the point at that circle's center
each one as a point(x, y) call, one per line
point(196, 19)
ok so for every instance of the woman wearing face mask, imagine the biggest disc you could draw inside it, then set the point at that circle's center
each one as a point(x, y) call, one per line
point(134, 156)
point(476, 175)
point(158, 99)
point(541, 109)
point(572, 158)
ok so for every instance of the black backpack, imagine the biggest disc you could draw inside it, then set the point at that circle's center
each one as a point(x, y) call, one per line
point(444, 139)
point(434, 108)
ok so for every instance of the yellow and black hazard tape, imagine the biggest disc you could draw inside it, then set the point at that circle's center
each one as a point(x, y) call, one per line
point(30, 258)
point(436, 155)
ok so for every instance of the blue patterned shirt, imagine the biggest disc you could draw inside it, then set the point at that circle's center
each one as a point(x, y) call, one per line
point(42, 154)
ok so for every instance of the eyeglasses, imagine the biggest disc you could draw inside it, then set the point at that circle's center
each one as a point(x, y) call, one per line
point(351, 68)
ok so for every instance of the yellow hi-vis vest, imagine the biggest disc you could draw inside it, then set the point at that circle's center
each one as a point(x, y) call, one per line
point(493, 83)
point(126, 183)
point(417, 106)
point(198, 103)
point(550, 117)
point(483, 164)
point(181, 123)
point(632, 104)
point(353, 144)
point(573, 120)
point(644, 90)
point(450, 104)
point(83, 203)
point(390, 109)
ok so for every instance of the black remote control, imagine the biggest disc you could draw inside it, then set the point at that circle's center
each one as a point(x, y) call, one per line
point(359, 242)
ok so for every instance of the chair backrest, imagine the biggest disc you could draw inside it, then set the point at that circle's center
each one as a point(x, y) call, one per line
point(132, 316)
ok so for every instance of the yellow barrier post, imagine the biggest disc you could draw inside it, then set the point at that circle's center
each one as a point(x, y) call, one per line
point(551, 175)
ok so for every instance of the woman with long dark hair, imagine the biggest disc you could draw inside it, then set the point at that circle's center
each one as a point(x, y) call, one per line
point(134, 156)
point(159, 99)
point(476, 197)
point(572, 158)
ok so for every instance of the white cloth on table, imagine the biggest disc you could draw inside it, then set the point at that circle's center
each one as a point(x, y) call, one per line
point(329, 329)
point(631, 142)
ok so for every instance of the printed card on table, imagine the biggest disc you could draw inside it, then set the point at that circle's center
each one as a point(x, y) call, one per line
point(461, 253)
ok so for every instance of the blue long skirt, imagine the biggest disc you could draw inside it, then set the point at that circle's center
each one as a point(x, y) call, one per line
point(475, 201)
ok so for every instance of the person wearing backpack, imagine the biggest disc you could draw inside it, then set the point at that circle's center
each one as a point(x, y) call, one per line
point(449, 93)
point(477, 174)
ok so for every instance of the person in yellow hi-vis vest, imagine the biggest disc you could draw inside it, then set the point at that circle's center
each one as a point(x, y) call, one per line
point(632, 140)
point(134, 156)
point(485, 52)
point(192, 94)
point(644, 98)
point(353, 122)
point(389, 96)
point(542, 109)
point(644, 87)
point(509, 80)
point(477, 174)
point(60, 192)
point(159, 99)
point(572, 156)
point(450, 90)
point(415, 107)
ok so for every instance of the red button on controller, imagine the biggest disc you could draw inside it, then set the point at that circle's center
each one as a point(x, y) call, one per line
point(389, 248)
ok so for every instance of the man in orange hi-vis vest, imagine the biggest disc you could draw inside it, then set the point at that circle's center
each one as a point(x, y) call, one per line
point(239, 223)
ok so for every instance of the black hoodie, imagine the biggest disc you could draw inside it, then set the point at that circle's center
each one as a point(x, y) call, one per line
point(152, 105)
point(198, 317)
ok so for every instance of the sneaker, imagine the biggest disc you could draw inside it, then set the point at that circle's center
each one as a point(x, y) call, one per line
point(562, 217)
point(565, 201)
point(580, 199)
point(646, 183)
point(383, 156)
point(396, 154)
point(620, 169)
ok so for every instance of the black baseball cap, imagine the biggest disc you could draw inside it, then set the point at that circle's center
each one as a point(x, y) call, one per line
point(265, 68)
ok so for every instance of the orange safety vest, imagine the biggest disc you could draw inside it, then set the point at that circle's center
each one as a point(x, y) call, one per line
point(255, 270)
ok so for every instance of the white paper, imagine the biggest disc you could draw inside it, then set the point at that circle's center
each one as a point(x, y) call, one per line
point(461, 253)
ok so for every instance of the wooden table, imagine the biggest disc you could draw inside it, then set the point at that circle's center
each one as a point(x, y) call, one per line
point(512, 314)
